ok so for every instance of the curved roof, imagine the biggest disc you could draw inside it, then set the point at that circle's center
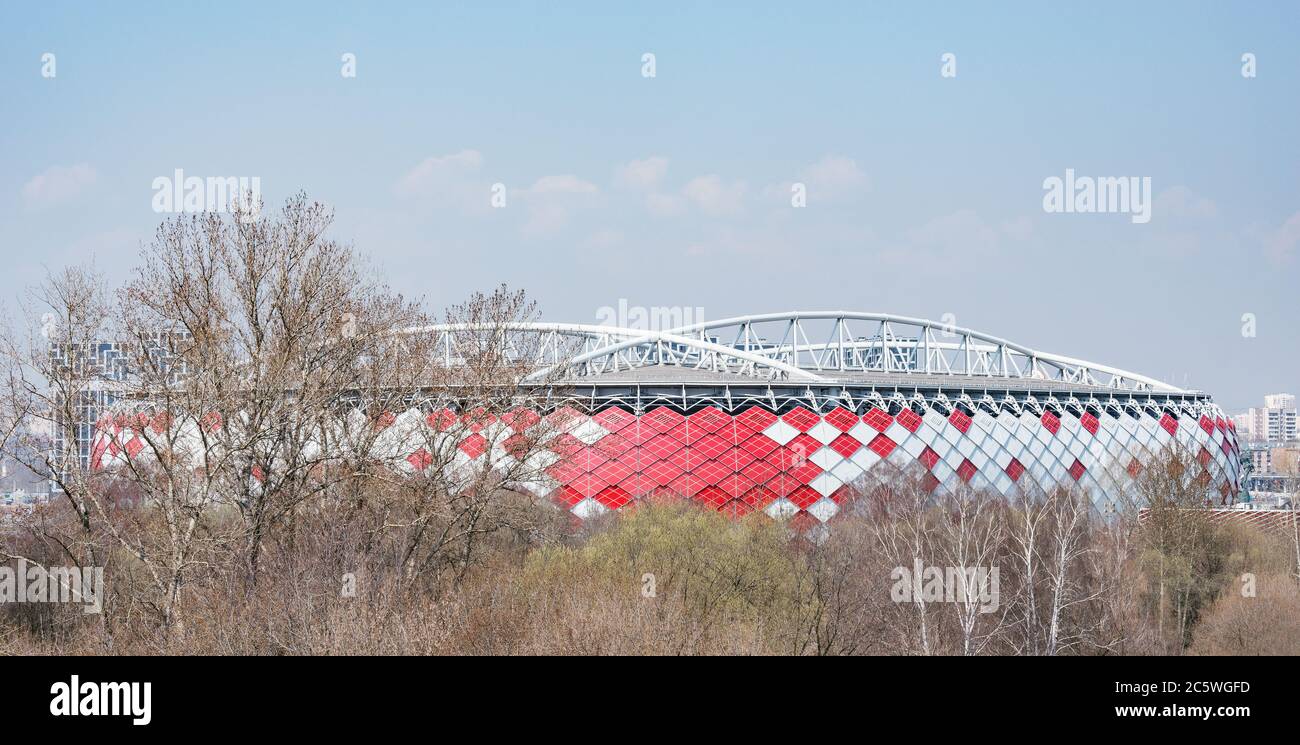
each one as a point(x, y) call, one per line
point(802, 346)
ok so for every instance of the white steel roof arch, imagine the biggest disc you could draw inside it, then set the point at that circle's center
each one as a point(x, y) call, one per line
point(896, 344)
point(612, 348)
point(981, 354)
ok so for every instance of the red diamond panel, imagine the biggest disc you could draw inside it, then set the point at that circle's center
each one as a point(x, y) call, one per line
point(589, 458)
point(1134, 468)
point(806, 473)
point(420, 459)
point(662, 473)
point(760, 446)
point(1207, 425)
point(1089, 423)
point(737, 485)
point(517, 445)
point(927, 456)
point(682, 459)
point(686, 485)
point(877, 420)
point(441, 420)
point(612, 446)
point(756, 418)
point(1015, 470)
point(909, 419)
point(760, 497)
point(474, 445)
point(637, 484)
point(564, 445)
point(712, 495)
point(709, 419)
point(804, 497)
point(613, 472)
point(477, 419)
point(614, 419)
point(960, 420)
point(783, 483)
point(1169, 423)
point(802, 447)
point(845, 445)
point(966, 470)
point(521, 419)
point(841, 418)
point(564, 418)
point(844, 494)
point(801, 419)
point(1052, 422)
point(662, 446)
point(711, 472)
point(1077, 469)
point(613, 497)
point(735, 509)
point(737, 457)
point(760, 471)
point(662, 419)
point(882, 446)
point(712, 445)
point(565, 471)
point(567, 496)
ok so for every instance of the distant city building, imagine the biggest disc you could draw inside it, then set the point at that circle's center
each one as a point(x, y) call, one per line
point(1275, 421)
point(1285, 461)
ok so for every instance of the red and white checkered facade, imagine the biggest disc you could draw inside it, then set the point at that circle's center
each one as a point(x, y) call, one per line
point(810, 463)
point(796, 427)
point(798, 463)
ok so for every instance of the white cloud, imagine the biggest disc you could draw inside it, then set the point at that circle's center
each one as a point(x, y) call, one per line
point(962, 230)
point(57, 184)
point(551, 201)
point(438, 173)
point(834, 174)
point(828, 180)
point(641, 174)
point(1020, 228)
point(715, 197)
point(665, 205)
point(604, 240)
point(563, 184)
point(1180, 201)
point(1281, 244)
point(447, 182)
point(952, 236)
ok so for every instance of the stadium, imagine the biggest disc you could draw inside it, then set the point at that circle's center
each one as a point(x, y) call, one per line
point(798, 414)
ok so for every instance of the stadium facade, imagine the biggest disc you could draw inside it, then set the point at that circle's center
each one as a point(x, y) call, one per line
point(799, 414)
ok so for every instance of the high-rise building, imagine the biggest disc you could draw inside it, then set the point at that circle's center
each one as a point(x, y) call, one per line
point(1275, 421)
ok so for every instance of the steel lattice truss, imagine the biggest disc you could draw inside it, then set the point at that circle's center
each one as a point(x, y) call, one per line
point(814, 347)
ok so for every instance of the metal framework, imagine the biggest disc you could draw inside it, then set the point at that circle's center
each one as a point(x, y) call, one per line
point(811, 347)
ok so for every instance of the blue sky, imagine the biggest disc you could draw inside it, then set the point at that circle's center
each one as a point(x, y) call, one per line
point(924, 192)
